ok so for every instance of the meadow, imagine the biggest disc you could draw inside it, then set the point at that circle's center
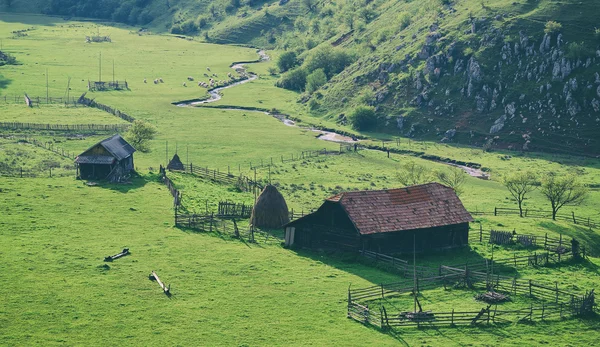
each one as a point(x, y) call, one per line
point(54, 232)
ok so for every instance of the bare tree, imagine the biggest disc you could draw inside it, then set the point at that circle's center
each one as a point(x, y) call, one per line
point(453, 177)
point(562, 190)
point(411, 173)
point(519, 185)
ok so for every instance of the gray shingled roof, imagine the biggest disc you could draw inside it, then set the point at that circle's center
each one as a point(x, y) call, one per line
point(115, 145)
point(95, 159)
point(118, 147)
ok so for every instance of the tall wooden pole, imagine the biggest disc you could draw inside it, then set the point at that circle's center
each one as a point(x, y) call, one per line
point(415, 271)
point(46, 86)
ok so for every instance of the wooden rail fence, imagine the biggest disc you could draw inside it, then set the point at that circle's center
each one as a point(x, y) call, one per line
point(586, 221)
point(64, 127)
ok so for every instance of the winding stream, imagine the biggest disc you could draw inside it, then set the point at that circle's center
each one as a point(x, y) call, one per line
point(215, 95)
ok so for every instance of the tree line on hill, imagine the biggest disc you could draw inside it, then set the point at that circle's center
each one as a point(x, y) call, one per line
point(128, 11)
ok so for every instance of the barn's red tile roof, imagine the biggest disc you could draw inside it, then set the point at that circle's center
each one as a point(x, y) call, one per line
point(416, 207)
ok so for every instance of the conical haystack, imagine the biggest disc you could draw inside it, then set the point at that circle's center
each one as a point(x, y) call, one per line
point(270, 210)
point(176, 164)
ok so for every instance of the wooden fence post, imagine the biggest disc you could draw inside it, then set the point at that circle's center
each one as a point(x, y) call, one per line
point(480, 233)
point(495, 211)
point(529, 287)
point(382, 296)
point(556, 283)
point(573, 214)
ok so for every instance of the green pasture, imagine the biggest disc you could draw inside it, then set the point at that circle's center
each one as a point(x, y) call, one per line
point(55, 232)
point(55, 114)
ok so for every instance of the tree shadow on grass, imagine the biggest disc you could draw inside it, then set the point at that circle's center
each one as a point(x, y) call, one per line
point(134, 183)
point(4, 82)
point(586, 236)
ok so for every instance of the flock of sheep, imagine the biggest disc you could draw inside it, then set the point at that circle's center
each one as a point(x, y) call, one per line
point(211, 82)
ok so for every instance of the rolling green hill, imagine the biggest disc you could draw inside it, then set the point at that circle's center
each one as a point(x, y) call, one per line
point(519, 74)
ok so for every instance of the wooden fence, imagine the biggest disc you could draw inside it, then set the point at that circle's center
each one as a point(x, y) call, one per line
point(24, 173)
point(228, 209)
point(241, 182)
point(20, 99)
point(585, 221)
point(92, 103)
point(299, 156)
point(559, 245)
point(174, 192)
point(65, 127)
point(555, 302)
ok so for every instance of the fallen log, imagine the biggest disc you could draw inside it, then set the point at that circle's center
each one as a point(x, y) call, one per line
point(154, 277)
point(117, 256)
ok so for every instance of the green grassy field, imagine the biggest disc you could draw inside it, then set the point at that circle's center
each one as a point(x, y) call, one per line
point(54, 232)
point(55, 114)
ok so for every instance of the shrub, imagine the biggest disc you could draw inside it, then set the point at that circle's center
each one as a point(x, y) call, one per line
point(189, 27)
point(363, 118)
point(315, 80)
point(287, 61)
point(576, 50)
point(294, 79)
point(201, 22)
point(331, 60)
point(404, 19)
point(552, 27)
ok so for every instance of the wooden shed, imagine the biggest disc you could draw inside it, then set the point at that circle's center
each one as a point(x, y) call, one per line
point(385, 221)
point(110, 159)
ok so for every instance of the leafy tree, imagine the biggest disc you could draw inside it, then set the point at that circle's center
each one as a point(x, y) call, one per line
point(519, 185)
point(411, 173)
point(552, 27)
point(452, 177)
point(562, 191)
point(287, 60)
point(294, 79)
point(315, 80)
point(331, 60)
point(139, 134)
point(363, 118)
point(311, 5)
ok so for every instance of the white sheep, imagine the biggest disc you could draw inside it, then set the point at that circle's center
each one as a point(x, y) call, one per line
point(207, 68)
point(155, 81)
point(190, 78)
point(161, 80)
point(145, 81)
point(184, 84)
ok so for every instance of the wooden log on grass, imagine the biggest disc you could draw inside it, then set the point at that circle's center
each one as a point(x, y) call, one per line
point(153, 276)
point(123, 253)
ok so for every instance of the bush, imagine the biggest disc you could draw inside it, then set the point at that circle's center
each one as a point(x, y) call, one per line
point(332, 61)
point(404, 19)
point(201, 22)
point(577, 50)
point(287, 61)
point(315, 80)
point(552, 27)
point(363, 118)
point(293, 80)
point(189, 27)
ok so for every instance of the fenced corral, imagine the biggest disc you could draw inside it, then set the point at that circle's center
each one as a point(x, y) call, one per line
point(240, 181)
point(552, 302)
point(65, 127)
point(568, 217)
point(92, 103)
point(98, 86)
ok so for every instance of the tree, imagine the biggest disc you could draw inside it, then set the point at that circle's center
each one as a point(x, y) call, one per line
point(286, 61)
point(293, 80)
point(411, 173)
point(331, 60)
point(552, 27)
point(139, 134)
point(315, 80)
point(562, 191)
point(363, 118)
point(453, 177)
point(519, 185)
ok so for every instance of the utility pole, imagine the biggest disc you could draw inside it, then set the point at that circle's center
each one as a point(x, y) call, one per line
point(46, 85)
point(100, 68)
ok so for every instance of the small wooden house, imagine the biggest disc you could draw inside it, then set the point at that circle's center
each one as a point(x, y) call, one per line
point(387, 221)
point(110, 159)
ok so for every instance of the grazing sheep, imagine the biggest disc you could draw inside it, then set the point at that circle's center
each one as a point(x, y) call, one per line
point(229, 74)
point(161, 80)
point(184, 84)
point(207, 68)
point(145, 81)
point(215, 75)
point(155, 81)
point(190, 78)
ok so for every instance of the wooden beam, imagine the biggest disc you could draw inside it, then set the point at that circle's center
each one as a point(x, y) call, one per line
point(118, 255)
point(153, 276)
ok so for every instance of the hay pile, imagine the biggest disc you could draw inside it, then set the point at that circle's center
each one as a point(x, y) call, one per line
point(176, 164)
point(270, 210)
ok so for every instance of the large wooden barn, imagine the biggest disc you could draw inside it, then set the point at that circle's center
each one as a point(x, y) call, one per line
point(110, 159)
point(385, 221)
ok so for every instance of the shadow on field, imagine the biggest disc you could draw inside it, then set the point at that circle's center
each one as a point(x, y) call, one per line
point(588, 237)
point(4, 82)
point(133, 184)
